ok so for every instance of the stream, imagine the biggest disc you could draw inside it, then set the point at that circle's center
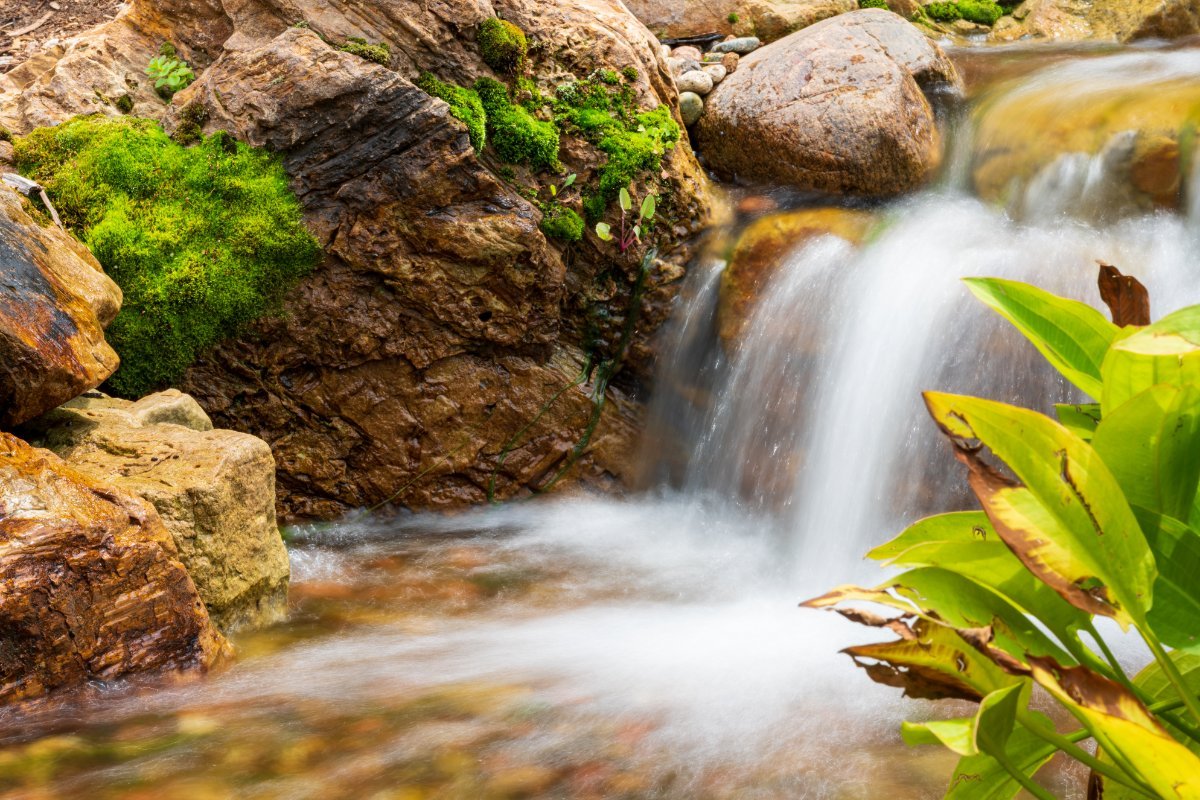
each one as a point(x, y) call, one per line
point(651, 646)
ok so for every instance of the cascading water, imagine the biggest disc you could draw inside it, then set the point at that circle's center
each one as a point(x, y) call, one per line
point(651, 646)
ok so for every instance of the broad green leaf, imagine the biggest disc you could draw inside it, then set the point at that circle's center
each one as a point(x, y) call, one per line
point(1175, 615)
point(932, 662)
point(956, 735)
point(1069, 523)
point(1119, 720)
point(604, 231)
point(1080, 420)
point(570, 180)
point(1166, 352)
point(996, 718)
point(1072, 336)
point(648, 204)
point(966, 543)
point(625, 200)
point(1152, 445)
point(553, 190)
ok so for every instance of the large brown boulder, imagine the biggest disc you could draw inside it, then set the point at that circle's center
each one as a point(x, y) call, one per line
point(54, 304)
point(410, 366)
point(839, 107)
point(90, 586)
point(767, 19)
point(1105, 20)
point(213, 489)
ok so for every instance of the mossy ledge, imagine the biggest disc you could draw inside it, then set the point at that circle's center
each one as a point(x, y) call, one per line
point(503, 45)
point(517, 136)
point(201, 240)
point(465, 106)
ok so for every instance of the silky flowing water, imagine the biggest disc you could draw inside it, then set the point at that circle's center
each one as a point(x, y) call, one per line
point(651, 646)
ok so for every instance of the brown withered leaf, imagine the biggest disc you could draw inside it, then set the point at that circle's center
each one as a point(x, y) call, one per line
point(1125, 297)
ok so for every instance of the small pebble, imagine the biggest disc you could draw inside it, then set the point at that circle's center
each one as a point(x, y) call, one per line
point(741, 45)
point(688, 52)
point(679, 66)
point(712, 58)
point(695, 81)
point(715, 71)
point(730, 62)
point(691, 106)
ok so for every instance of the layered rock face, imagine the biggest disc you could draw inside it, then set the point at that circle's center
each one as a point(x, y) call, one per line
point(214, 491)
point(54, 304)
point(839, 107)
point(90, 586)
point(767, 19)
point(440, 355)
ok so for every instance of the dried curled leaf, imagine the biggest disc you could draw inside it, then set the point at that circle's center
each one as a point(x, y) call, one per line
point(1125, 297)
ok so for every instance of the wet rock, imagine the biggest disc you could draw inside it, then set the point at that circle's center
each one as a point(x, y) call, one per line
point(767, 19)
point(1111, 20)
point(213, 489)
point(90, 586)
point(697, 82)
point(442, 321)
point(837, 107)
point(54, 303)
point(743, 46)
point(1092, 145)
point(691, 106)
point(764, 247)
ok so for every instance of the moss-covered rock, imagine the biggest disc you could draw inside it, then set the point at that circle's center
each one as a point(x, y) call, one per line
point(562, 223)
point(502, 44)
point(201, 240)
point(465, 106)
point(379, 53)
point(517, 136)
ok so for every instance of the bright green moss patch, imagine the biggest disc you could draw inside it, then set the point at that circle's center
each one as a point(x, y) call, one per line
point(872, 4)
point(465, 106)
point(201, 240)
point(633, 140)
point(379, 53)
point(560, 222)
point(517, 136)
point(982, 12)
point(943, 12)
point(502, 45)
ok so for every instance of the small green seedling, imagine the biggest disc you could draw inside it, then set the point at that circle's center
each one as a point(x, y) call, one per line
point(170, 75)
point(628, 235)
point(554, 190)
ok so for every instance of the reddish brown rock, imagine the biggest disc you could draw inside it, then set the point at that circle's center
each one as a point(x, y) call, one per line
point(839, 107)
point(54, 304)
point(90, 588)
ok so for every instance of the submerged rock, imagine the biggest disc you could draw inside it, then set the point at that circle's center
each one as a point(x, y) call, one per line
point(213, 489)
point(838, 107)
point(90, 586)
point(766, 245)
point(54, 303)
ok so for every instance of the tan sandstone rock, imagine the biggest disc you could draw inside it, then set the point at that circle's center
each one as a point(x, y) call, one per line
point(54, 304)
point(213, 489)
point(1113, 20)
point(90, 585)
point(839, 107)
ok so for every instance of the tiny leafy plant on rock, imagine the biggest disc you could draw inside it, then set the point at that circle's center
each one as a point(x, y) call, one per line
point(170, 74)
point(201, 240)
point(379, 53)
point(503, 45)
point(629, 233)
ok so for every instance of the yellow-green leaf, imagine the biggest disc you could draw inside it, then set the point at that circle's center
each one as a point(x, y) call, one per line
point(1167, 352)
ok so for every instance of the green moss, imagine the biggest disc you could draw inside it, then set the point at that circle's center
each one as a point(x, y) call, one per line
point(191, 121)
point(873, 4)
point(982, 12)
point(167, 49)
point(379, 53)
point(733, 18)
point(524, 84)
point(464, 106)
point(631, 74)
point(124, 104)
point(608, 76)
point(5, 136)
point(201, 240)
point(633, 140)
point(517, 136)
point(943, 11)
point(560, 222)
point(503, 45)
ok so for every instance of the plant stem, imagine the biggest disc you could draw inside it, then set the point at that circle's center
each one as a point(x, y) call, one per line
point(1108, 653)
point(1029, 784)
point(1066, 745)
point(1172, 672)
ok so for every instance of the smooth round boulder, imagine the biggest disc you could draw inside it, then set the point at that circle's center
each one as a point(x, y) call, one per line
point(839, 107)
point(691, 107)
point(767, 19)
point(697, 81)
